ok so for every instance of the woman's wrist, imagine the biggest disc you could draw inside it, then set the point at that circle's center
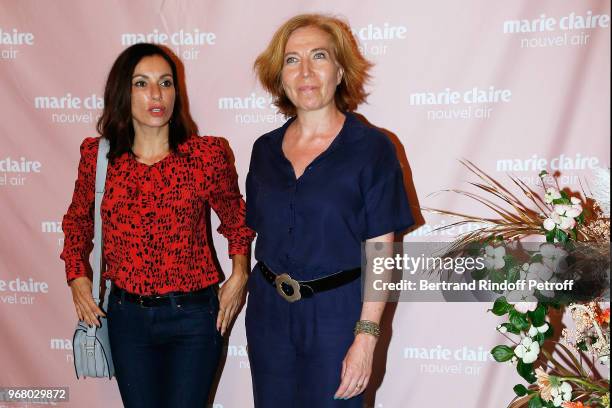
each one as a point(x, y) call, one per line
point(366, 339)
point(367, 327)
point(240, 267)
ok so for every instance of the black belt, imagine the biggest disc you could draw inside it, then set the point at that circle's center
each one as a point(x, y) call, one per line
point(292, 290)
point(180, 298)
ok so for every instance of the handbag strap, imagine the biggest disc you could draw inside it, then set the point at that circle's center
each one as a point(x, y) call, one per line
point(101, 166)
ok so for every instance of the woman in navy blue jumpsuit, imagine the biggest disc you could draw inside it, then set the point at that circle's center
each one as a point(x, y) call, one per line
point(317, 188)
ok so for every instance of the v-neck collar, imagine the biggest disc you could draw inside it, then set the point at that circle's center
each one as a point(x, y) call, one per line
point(338, 140)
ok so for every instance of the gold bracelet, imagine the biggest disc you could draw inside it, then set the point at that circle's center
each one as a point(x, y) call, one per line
point(368, 327)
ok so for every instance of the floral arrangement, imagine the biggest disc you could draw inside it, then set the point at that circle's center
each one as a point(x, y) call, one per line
point(560, 368)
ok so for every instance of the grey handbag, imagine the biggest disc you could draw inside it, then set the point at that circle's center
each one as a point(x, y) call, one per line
point(90, 345)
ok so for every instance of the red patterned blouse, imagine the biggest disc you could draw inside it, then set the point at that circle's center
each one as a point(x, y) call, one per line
point(156, 238)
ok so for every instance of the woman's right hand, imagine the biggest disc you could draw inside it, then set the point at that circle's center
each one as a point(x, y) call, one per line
point(86, 308)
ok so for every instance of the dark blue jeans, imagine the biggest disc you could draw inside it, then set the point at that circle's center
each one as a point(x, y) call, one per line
point(164, 356)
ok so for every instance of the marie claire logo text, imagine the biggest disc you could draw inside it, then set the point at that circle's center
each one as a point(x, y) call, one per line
point(71, 109)
point(53, 228)
point(375, 39)
point(464, 104)
point(185, 43)
point(527, 169)
point(11, 40)
point(13, 171)
point(573, 29)
point(442, 360)
point(443, 230)
point(238, 352)
point(251, 109)
point(21, 291)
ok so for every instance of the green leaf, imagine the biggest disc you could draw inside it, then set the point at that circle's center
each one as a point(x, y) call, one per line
point(560, 235)
point(565, 195)
point(542, 173)
point(509, 261)
point(549, 333)
point(562, 200)
point(519, 320)
point(502, 353)
point(537, 258)
point(514, 274)
point(474, 250)
point(498, 276)
point(520, 390)
point(540, 338)
point(582, 345)
point(478, 274)
point(538, 316)
point(511, 328)
point(526, 371)
point(574, 234)
point(536, 402)
point(501, 306)
point(550, 235)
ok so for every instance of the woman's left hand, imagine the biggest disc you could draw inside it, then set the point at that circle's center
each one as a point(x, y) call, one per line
point(231, 295)
point(356, 367)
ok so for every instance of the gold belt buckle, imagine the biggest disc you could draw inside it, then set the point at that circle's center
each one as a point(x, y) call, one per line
point(288, 280)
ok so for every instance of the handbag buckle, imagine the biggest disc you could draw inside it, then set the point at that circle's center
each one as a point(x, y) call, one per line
point(288, 288)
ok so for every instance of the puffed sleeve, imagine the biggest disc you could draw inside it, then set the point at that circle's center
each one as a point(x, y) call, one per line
point(225, 199)
point(78, 223)
point(386, 203)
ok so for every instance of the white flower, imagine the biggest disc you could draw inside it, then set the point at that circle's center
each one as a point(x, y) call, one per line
point(575, 200)
point(550, 223)
point(551, 194)
point(528, 350)
point(524, 271)
point(557, 220)
point(570, 211)
point(494, 257)
point(502, 329)
point(567, 223)
point(523, 301)
point(539, 271)
point(554, 257)
point(561, 394)
point(533, 331)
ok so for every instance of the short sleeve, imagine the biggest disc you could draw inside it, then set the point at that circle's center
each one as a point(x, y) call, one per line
point(386, 203)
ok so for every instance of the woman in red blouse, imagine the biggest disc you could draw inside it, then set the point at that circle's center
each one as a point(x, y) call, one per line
point(165, 316)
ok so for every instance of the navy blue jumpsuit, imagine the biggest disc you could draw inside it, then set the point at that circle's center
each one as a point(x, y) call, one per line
point(309, 228)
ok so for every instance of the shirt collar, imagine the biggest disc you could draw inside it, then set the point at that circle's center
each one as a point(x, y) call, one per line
point(351, 122)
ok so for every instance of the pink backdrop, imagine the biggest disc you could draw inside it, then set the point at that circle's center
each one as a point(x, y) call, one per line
point(508, 85)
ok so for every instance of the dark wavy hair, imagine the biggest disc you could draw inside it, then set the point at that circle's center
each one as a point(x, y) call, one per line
point(115, 124)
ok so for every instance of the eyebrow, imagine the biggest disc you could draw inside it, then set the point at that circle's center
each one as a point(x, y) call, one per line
point(311, 51)
point(146, 76)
